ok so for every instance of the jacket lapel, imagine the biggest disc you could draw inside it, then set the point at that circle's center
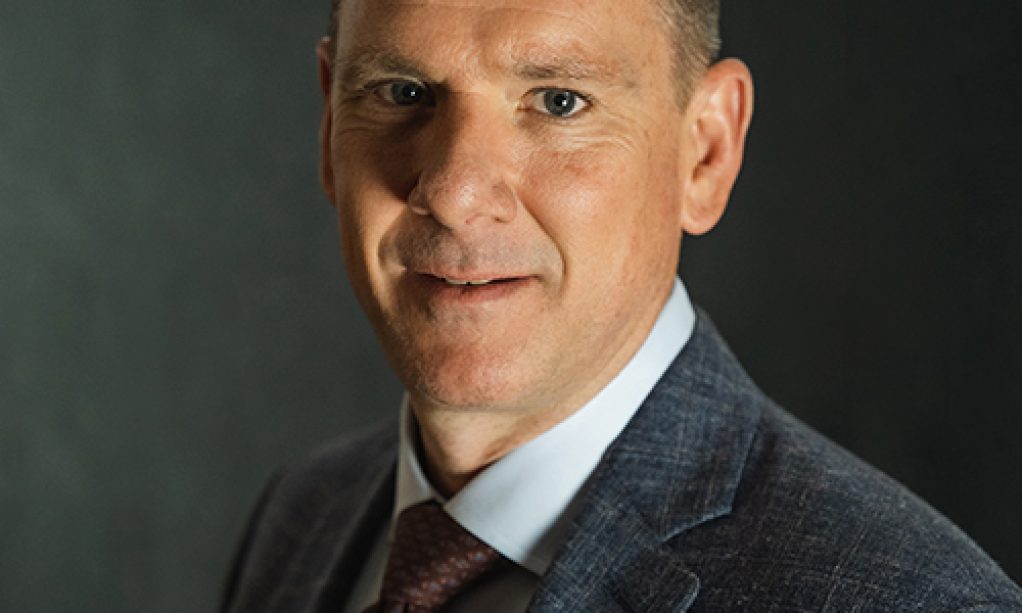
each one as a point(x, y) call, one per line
point(613, 563)
point(676, 466)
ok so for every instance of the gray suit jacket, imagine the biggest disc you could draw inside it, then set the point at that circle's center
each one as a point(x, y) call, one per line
point(712, 499)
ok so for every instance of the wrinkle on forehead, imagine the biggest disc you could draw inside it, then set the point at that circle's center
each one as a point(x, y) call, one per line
point(491, 4)
point(526, 39)
point(577, 11)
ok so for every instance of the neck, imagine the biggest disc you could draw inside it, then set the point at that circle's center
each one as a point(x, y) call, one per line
point(457, 445)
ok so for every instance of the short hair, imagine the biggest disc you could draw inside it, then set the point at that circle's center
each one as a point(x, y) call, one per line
point(694, 26)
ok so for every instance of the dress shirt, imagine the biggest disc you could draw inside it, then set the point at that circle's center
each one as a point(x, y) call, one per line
point(522, 504)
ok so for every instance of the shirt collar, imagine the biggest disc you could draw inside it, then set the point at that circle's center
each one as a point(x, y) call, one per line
point(521, 504)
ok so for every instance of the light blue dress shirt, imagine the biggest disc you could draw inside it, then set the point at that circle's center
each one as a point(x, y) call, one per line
point(522, 504)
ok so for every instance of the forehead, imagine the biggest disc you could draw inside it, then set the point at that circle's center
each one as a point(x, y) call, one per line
point(616, 35)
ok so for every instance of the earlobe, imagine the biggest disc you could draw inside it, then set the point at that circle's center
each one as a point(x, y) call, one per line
point(720, 117)
point(326, 171)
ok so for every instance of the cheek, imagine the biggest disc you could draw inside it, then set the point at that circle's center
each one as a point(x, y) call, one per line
point(369, 180)
point(611, 209)
point(589, 197)
point(372, 159)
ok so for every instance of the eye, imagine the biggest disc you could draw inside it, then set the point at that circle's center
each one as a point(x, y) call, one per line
point(559, 102)
point(402, 93)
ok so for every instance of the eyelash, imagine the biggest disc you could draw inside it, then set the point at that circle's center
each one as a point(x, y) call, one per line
point(587, 103)
point(373, 89)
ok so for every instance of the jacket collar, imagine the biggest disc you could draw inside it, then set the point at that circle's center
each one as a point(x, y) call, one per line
point(675, 466)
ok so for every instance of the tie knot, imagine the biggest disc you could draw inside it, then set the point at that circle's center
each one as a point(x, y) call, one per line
point(432, 558)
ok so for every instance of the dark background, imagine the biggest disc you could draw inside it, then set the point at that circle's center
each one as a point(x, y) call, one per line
point(174, 321)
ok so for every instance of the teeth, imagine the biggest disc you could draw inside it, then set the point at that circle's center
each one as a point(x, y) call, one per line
point(460, 282)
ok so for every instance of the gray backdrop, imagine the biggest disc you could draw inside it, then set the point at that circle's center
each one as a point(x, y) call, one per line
point(174, 320)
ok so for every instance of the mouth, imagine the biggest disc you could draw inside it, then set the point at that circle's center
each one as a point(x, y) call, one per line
point(474, 282)
point(469, 289)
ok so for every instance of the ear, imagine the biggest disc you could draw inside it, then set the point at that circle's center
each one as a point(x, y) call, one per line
point(326, 170)
point(720, 112)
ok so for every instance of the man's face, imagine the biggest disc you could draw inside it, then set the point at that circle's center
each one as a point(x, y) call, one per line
point(531, 148)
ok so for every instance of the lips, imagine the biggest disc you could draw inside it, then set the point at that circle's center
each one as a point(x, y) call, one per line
point(460, 290)
point(475, 281)
point(451, 281)
point(462, 278)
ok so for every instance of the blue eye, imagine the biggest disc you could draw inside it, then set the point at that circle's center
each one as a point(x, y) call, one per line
point(403, 93)
point(559, 102)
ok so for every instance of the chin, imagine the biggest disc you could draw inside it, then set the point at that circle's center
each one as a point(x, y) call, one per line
point(468, 384)
point(482, 374)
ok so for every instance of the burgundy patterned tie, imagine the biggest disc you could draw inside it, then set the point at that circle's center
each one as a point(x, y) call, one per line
point(431, 559)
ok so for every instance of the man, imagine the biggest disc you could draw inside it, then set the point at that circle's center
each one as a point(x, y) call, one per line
point(512, 180)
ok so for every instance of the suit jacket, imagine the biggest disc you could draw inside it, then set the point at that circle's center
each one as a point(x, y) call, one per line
point(712, 499)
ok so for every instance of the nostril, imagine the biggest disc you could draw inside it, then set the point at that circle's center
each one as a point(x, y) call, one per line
point(417, 201)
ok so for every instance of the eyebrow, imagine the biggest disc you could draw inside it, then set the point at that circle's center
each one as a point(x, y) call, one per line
point(564, 67)
point(366, 63)
point(548, 57)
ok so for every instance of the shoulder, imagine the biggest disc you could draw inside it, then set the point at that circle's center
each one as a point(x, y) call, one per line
point(339, 466)
point(770, 514)
point(339, 473)
point(308, 509)
point(811, 523)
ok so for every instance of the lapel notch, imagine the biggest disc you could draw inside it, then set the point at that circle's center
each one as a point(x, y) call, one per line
point(677, 465)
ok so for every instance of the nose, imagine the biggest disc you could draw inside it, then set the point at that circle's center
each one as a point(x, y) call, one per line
point(467, 165)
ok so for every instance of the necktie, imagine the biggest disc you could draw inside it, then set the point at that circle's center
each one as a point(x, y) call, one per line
point(431, 559)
